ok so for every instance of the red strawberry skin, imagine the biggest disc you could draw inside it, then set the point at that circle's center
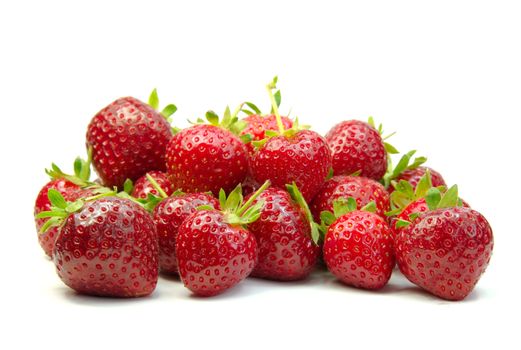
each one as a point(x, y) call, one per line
point(108, 248)
point(286, 250)
point(212, 255)
point(414, 176)
point(143, 187)
point(304, 158)
point(362, 189)
point(168, 217)
point(358, 250)
point(256, 125)
point(416, 207)
point(128, 139)
point(206, 158)
point(70, 192)
point(357, 146)
point(445, 251)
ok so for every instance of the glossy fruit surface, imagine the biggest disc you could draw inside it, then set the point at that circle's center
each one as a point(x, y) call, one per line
point(128, 139)
point(363, 190)
point(213, 255)
point(283, 234)
point(108, 248)
point(143, 186)
point(445, 251)
point(303, 158)
point(413, 176)
point(358, 250)
point(205, 158)
point(168, 216)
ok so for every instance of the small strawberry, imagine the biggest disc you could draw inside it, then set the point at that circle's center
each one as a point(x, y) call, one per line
point(106, 246)
point(143, 186)
point(357, 146)
point(205, 157)
point(362, 189)
point(128, 138)
point(300, 156)
point(71, 187)
point(445, 251)
point(214, 250)
point(358, 248)
point(284, 236)
point(411, 173)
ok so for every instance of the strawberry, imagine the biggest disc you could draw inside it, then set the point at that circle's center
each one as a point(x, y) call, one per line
point(128, 138)
point(411, 173)
point(362, 189)
point(106, 246)
point(214, 250)
point(71, 187)
point(168, 217)
point(206, 158)
point(357, 147)
point(300, 156)
point(143, 186)
point(257, 125)
point(358, 248)
point(284, 236)
point(445, 251)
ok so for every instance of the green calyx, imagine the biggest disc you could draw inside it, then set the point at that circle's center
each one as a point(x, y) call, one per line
point(403, 165)
point(230, 121)
point(342, 206)
point(390, 149)
point(236, 212)
point(81, 171)
point(166, 112)
point(405, 193)
point(61, 209)
point(437, 199)
point(297, 196)
point(152, 200)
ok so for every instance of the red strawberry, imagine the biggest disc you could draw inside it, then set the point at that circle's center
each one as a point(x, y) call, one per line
point(128, 138)
point(206, 158)
point(71, 187)
point(168, 217)
point(257, 125)
point(106, 247)
point(445, 251)
point(357, 146)
point(214, 250)
point(358, 248)
point(413, 176)
point(143, 187)
point(283, 232)
point(362, 189)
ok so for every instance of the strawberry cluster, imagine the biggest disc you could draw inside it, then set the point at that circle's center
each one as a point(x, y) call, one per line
point(252, 194)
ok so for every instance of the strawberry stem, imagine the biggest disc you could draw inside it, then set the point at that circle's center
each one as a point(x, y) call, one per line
point(254, 196)
point(156, 186)
point(269, 88)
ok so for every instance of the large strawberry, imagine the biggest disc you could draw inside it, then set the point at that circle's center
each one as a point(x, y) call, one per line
point(362, 189)
point(284, 236)
point(71, 187)
point(358, 248)
point(128, 138)
point(214, 250)
point(357, 146)
point(105, 247)
point(300, 156)
point(445, 251)
point(206, 157)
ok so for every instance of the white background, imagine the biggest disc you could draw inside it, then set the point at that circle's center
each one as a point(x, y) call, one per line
point(446, 75)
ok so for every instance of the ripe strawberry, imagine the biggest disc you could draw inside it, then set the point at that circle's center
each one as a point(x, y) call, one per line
point(256, 125)
point(357, 146)
point(296, 156)
point(214, 250)
point(362, 189)
point(358, 248)
point(143, 187)
point(283, 232)
point(168, 217)
point(106, 247)
point(413, 176)
point(445, 251)
point(128, 138)
point(206, 158)
point(71, 187)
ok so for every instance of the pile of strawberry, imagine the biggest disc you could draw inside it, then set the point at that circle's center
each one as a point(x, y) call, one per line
point(260, 196)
